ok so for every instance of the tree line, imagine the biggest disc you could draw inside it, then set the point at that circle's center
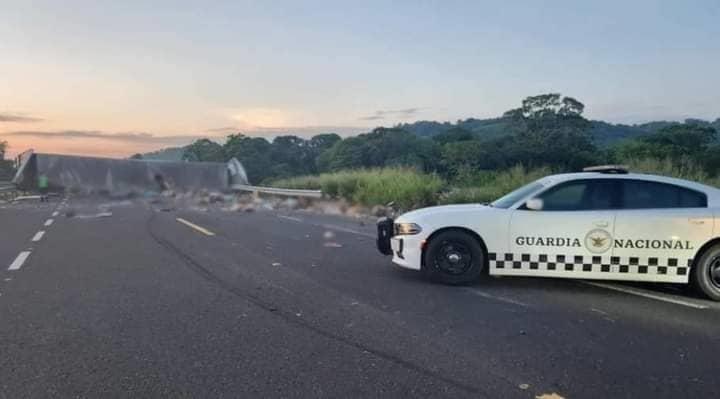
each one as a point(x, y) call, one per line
point(545, 130)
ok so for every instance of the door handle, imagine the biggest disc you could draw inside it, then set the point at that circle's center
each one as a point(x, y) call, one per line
point(697, 221)
point(601, 223)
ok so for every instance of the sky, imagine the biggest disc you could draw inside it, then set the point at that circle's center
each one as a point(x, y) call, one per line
point(112, 78)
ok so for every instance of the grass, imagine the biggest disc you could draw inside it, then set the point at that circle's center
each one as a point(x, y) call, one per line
point(407, 187)
point(411, 189)
point(684, 169)
point(487, 186)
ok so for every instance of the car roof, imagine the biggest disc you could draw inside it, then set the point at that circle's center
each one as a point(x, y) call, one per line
point(712, 192)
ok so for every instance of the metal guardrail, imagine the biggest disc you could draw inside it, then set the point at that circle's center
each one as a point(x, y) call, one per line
point(278, 191)
point(8, 192)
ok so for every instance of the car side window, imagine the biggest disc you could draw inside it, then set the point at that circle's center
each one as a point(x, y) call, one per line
point(640, 194)
point(588, 194)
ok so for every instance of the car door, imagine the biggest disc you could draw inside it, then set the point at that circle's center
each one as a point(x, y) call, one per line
point(571, 236)
point(658, 230)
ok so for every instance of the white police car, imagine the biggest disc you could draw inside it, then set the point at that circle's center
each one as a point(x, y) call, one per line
point(603, 223)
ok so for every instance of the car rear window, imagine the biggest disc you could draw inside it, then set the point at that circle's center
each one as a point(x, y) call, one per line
point(639, 194)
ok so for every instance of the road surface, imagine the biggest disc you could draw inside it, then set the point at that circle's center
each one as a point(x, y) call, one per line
point(132, 299)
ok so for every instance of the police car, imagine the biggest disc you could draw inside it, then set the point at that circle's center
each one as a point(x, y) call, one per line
point(603, 223)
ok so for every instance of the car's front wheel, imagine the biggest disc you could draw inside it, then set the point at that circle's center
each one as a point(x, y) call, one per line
point(706, 273)
point(454, 257)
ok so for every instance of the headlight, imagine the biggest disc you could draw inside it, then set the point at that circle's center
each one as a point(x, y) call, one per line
point(406, 228)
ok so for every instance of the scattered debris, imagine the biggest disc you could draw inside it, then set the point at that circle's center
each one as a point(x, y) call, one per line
point(524, 386)
point(277, 264)
point(332, 245)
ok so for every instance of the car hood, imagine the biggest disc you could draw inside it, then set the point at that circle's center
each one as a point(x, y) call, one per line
point(433, 211)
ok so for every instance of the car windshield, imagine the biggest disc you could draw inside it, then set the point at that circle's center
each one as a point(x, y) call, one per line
point(513, 197)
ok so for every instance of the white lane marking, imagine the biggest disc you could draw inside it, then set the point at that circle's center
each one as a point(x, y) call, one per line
point(55, 213)
point(48, 222)
point(38, 236)
point(18, 262)
point(290, 218)
point(196, 227)
point(646, 294)
point(346, 230)
point(496, 297)
point(605, 315)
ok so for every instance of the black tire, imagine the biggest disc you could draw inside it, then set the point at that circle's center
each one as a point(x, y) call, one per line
point(454, 257)
point(705, 276)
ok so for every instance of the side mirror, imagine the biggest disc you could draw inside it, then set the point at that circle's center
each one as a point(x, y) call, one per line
point(534, 204)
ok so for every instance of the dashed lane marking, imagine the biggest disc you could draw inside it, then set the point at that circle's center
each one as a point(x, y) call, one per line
point(329, 226)
point(497, 298)
point(48, 222)
point(19, 261)
point(195, 227)
point(290, 218)
point(647, 294)
point(55, 213)
point(346, 230)
point(38, 236)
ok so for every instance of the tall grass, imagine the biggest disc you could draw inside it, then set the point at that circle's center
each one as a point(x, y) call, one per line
point(492, 185)
point(407, 187)
point(683, 169)
point(410, 189)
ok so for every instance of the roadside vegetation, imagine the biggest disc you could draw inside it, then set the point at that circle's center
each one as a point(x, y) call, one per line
point(407, 187)
point(428, 163)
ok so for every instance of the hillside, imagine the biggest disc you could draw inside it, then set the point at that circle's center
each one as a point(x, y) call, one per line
point(604, 133)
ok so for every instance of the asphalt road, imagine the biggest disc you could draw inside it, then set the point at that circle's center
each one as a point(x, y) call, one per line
point(122, 299)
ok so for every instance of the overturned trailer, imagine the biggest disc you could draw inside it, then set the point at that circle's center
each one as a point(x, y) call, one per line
point(124, 176)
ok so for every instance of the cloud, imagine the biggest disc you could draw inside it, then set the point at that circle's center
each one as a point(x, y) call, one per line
point(399, 113)
point(18, 118)
point(224, 130)
point(128, 137)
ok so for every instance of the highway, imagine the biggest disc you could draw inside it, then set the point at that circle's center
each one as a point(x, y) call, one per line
point(138, 299)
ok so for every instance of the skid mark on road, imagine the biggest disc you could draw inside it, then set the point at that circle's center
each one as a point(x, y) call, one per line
point(647, 294)
point(195, 227)
point(293, 318)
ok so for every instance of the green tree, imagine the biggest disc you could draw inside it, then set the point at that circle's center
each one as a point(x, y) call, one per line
point(676, 141)
point(550, 130)
point(454, 135)
point(137, 156)
point(381, 147)
point(3, 148)
point(204, 150)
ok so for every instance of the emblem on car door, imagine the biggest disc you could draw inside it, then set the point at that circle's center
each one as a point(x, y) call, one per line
point(598, 241)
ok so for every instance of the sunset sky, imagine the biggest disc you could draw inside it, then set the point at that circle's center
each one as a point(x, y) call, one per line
point(112, 78)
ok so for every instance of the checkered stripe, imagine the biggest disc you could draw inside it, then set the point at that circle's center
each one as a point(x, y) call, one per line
point(595, 263)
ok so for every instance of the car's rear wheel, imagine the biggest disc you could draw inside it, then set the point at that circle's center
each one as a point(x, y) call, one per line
point(454, 257)
point(706, 273)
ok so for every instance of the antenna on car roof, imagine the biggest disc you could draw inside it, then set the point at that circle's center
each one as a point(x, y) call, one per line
point(616, 169)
